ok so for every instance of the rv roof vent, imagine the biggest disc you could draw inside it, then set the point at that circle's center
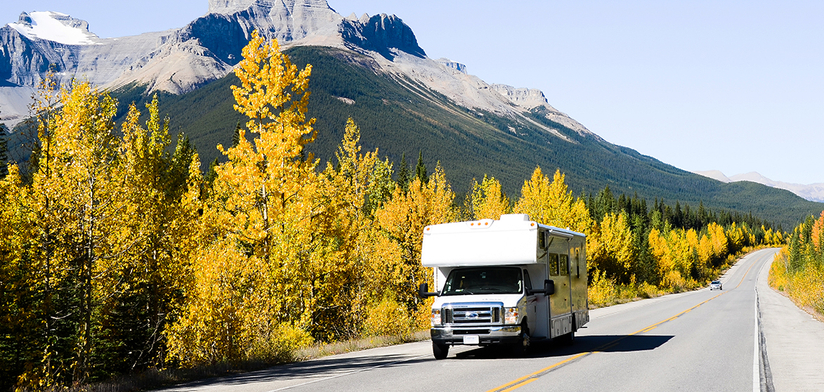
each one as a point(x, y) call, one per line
point(515, 217)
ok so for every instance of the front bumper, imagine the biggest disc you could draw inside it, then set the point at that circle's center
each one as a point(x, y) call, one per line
point(497, 334)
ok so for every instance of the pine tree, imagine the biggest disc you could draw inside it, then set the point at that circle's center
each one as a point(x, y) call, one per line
point(4, 157)
point(403, 174)
point(236, 135)
point(420, 169)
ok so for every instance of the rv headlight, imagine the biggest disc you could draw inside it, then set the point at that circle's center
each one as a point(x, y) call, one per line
point(436, 317)
point(511, 316)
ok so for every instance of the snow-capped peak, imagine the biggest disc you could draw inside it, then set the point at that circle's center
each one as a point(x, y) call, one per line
point(54, 26)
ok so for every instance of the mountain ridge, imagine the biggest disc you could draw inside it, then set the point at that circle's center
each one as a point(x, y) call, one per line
point(811, 192)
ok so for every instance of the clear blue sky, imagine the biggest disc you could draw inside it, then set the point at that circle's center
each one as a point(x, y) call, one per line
point(736, 86)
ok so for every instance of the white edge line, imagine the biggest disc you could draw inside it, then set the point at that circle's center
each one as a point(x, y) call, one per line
point(756, 379)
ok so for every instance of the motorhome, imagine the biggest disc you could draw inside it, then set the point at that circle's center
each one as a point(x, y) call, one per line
point(509, 281)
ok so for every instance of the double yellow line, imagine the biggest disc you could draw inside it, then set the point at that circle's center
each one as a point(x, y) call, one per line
point(513, 385)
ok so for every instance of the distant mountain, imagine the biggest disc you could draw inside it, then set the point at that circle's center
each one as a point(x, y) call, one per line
point(369, 68)
point(812, 192)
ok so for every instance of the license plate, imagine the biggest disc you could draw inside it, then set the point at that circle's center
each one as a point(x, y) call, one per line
point(471, 339)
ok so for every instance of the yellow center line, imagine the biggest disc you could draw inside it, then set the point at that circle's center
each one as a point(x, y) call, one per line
point(534, 376)
point(513, 385)
point(745, 274)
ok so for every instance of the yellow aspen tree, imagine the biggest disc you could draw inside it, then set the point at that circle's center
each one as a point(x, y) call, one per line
point(817, 233)
point(47, 270)
point(610, 248)
point(719, 241)
point(552, 203)
point(706, 255)
point(262, 214)
point(158, 234)
point(488, 200)
point(346, 221)
point(660, 251)
point(22, 286)
point(735, 238)
point(76, 208)
point(401, 222)
point(683, 255)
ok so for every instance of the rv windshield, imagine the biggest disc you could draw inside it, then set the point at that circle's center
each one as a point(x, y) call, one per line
point(484, 280)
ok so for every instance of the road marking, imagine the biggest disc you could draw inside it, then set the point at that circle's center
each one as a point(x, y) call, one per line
point(513, 385)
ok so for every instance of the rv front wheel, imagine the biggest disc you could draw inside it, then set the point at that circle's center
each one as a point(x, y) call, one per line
point(522, 346)
point(440, 350)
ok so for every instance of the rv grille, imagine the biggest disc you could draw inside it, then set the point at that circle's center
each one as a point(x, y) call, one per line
point(467, 314)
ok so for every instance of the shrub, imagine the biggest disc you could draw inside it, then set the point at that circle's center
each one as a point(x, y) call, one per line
point(601, 290)
point(388, 318)
point(281, 345)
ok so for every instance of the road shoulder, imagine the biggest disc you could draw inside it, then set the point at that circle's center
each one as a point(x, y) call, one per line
point(794, 340)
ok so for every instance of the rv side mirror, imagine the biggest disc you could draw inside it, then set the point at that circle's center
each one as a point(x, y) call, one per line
point(549, 287)
point(423, 291)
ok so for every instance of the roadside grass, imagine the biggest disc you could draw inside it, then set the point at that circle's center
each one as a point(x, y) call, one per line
point(164, 378)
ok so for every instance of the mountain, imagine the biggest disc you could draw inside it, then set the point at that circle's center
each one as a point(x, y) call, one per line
point(369, 68)
point(181, 60)
point(812, 192)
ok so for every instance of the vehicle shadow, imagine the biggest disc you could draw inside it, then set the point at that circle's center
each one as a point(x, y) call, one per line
point(317, 369)
point(582, 344)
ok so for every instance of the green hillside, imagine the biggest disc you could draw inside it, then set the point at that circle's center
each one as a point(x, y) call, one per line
point(399, 116)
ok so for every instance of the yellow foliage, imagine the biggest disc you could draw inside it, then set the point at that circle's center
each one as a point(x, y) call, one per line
point(674, 281)
point(601, 290)
point(551, 203)
point(610, 247)
point(807, 287)
point(280, 345)
point(647, 290)
point(488, 201)
point(261, 262)
point(779, 278)
point(400, 222)
point(817, 233)
point(389, 318)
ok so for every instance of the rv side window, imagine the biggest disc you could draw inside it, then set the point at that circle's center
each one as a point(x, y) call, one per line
point(564, 265)
point(527, 281)
point(553, 264)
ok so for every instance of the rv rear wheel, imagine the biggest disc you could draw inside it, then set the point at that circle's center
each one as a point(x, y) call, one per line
point(570, 337)
point(440, 350)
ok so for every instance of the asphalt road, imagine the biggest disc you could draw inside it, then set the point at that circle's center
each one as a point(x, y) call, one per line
point(700, 340)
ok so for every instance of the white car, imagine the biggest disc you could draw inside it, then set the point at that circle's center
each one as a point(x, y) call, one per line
point(716, 284)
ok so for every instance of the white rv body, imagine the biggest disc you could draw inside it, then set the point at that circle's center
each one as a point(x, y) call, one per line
point(499, 268)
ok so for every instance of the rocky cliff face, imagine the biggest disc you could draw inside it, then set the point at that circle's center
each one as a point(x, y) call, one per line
point(381, 33)
point(181, 60)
